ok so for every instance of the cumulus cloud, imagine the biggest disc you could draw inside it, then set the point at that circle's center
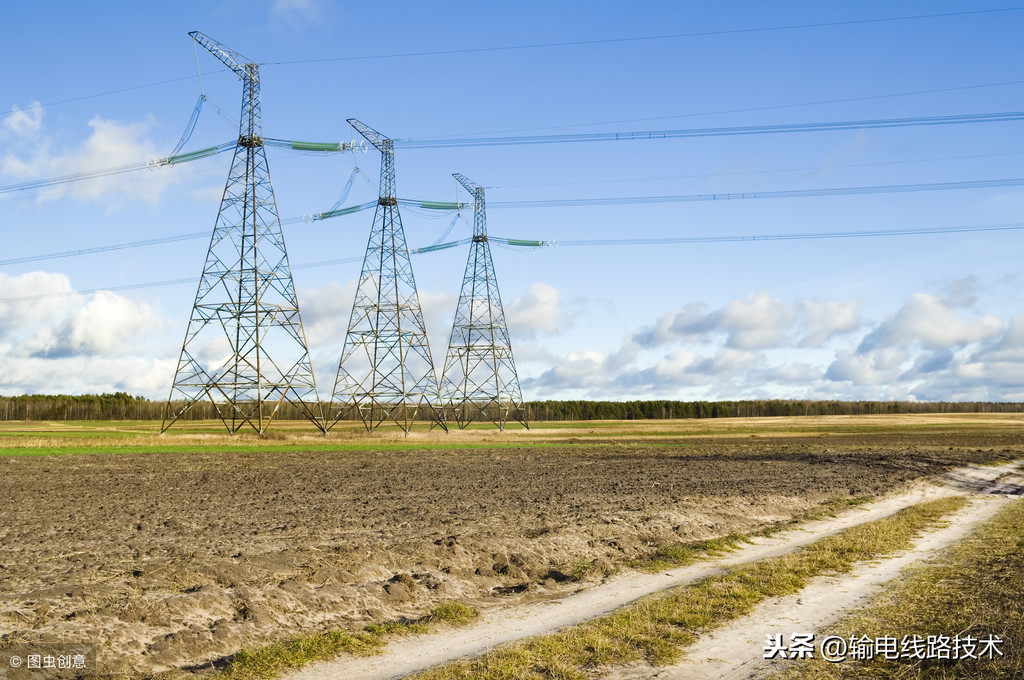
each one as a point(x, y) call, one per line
point(326, 311)
point(760, 347)
point(145, 376)
point(32, 298)
point(759, 321)
point(540, 310)
point(606, 376)
point(23, 122)
point(54, 340)
point(873, 368)
point(1008, 347)
point(932, 322)
point(110, 144)
point(825, 319)
point(106, 325)
point(688, 323)
point(683, 368)
point(583, 370)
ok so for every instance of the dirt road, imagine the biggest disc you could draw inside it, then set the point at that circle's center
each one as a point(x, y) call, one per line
point(733, 652)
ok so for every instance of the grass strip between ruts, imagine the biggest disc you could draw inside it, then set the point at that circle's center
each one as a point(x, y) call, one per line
point(973, 590)
point(656, 628)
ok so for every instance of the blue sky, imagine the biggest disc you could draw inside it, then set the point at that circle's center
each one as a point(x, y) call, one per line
point(929, 317)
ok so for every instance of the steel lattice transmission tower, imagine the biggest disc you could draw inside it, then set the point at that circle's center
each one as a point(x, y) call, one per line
point(480, 379)
point(386, 372)
point(245, 349)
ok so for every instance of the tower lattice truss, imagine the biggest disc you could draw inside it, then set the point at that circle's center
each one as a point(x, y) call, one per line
point(480, 380)
point(386, 372)
point(245, 349)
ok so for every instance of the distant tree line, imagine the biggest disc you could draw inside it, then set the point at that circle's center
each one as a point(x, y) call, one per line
point(123, 406)
point(758, 408)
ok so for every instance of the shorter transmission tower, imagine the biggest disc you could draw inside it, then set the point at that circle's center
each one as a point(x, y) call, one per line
point(386, 372)
point(245, 349)
point(480, 379)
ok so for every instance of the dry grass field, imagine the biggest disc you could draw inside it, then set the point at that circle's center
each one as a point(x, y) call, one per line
point(174, 552)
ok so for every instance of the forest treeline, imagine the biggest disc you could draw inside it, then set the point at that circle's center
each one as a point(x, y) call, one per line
point(123, 406)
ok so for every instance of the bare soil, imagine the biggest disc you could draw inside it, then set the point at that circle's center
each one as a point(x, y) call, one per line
point(176, 561)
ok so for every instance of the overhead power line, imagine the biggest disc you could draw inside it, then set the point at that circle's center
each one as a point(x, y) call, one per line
point(177, 159)
point(440, 142)
point(104, 248)
point(785, 128)
point(646, 38)
point(806, 236)
point(446, 206)
point(872, 233)
point(750, 109)
point(671, 36)
point(792, 193)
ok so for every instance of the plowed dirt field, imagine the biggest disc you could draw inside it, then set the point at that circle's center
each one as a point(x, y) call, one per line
point(178, 560)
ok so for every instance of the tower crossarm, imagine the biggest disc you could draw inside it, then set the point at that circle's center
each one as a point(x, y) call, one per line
point(379, 141)
point(470, 185)
point(479, 206)
point(233, 60)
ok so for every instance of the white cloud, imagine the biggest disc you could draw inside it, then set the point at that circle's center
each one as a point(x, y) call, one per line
point(31, 298)
point(759, 321)
point(1009, 347)
point(106, 325)
point(683, 368)
point(110, 144)
point(825, 319)
point(689, 323)
point(873, 368)
point(325, 312)
point(539, 311)
point(758, 347)
point(64, 342)
point(89, 375)
point(583, 370)
point(753, 347)
point(24, 122)
point(933, 323)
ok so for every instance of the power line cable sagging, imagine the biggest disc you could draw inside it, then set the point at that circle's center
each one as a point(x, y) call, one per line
point(638, 135)
point(522, 243)
point(439, 142)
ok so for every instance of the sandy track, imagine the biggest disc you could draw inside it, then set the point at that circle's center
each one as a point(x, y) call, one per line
point(507, 624)
point(735, 652)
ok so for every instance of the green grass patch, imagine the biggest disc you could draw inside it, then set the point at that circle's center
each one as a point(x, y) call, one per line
point(271, 661)
point(974, 589)
point(656, 628)
point(272, 446)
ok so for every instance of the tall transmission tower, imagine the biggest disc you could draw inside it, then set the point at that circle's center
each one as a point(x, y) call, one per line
point(480, 379)
point(245, 349)
point(386, 372)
